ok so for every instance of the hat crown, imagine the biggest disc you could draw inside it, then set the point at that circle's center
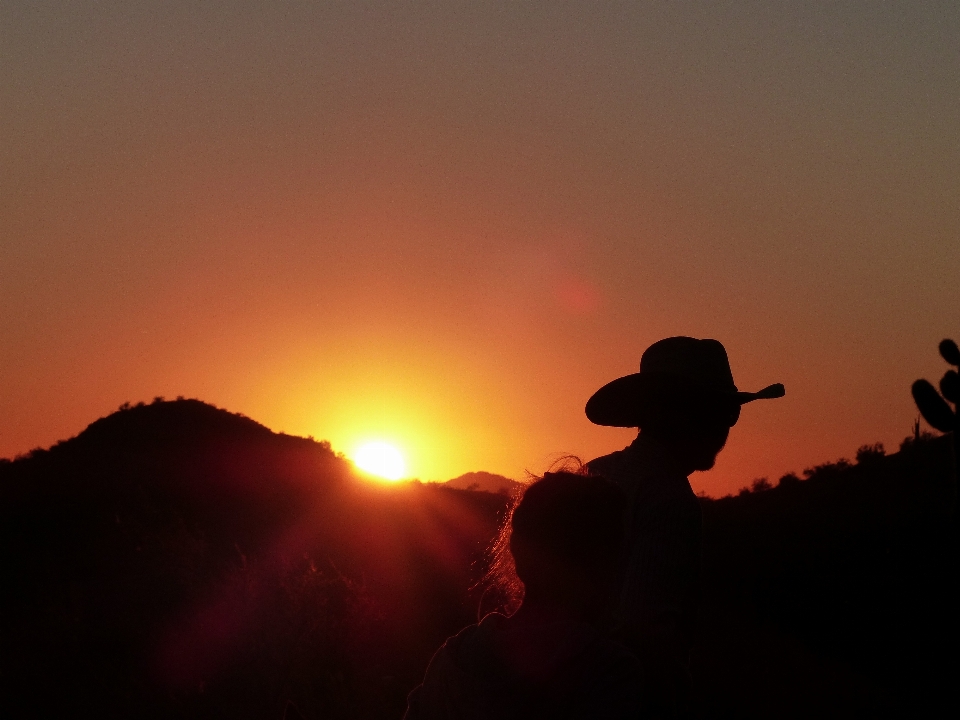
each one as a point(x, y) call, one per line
point(703, 362)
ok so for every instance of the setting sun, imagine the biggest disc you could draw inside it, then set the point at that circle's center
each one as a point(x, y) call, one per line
point(380, 459)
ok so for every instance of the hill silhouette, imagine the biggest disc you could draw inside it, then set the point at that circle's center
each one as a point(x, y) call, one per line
point(177, 560)
point(484, 482)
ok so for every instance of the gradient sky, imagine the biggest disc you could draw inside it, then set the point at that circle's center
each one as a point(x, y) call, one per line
point(446, 224)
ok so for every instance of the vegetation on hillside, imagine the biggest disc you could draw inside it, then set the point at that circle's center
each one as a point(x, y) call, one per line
point(176, 560)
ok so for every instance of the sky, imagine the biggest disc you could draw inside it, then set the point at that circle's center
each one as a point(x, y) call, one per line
point(446, 224)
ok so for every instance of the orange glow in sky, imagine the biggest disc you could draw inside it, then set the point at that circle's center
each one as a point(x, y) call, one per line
point(448, 224)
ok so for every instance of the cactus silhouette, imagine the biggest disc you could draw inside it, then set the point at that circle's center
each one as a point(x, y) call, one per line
point(935, 406)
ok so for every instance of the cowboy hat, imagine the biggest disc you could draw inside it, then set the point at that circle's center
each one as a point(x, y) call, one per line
point(676, 364)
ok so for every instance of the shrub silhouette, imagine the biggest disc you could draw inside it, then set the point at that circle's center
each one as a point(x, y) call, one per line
point(788, 480)
point(870, 453)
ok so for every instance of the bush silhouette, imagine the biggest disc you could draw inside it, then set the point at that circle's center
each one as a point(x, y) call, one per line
point(870, 453)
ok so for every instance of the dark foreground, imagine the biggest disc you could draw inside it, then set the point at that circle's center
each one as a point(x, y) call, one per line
point(175, 560)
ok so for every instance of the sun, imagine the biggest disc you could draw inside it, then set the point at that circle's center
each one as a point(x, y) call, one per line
point(380, 459)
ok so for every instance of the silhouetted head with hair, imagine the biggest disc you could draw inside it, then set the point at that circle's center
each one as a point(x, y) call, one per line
point(564, 540)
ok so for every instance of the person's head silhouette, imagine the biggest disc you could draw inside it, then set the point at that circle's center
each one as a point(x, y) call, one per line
point(562, 543)
point(558, 554)
point(684, 396)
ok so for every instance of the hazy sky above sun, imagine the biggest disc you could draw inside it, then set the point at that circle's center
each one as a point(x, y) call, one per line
point(445, 224)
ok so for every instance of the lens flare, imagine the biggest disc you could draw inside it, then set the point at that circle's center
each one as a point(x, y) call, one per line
point(380, 459)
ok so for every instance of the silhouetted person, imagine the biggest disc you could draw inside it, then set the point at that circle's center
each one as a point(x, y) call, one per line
point(684, 402)
point(552, 658)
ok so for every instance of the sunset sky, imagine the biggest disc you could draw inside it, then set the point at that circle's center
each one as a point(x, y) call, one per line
point(445, 224)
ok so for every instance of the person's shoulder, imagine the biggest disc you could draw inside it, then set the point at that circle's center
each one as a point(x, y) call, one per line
point(597, 465)
point(461, 679)
point(471, 642)
point(424, 700)
point(452, 647)
point(615, 466)
point(471, 634)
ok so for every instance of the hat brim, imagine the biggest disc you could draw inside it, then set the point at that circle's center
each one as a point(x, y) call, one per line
point(620, 403)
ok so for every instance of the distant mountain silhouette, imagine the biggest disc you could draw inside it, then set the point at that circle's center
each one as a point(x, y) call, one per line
point(178, 560)
point(484, 482)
